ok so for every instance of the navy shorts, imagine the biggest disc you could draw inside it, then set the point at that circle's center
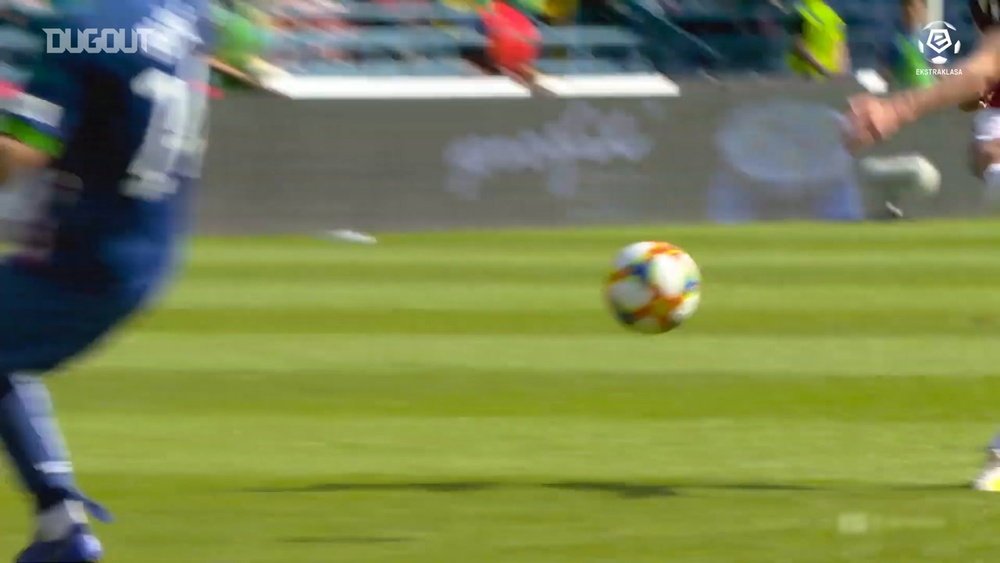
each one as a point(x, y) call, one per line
point(43, 324)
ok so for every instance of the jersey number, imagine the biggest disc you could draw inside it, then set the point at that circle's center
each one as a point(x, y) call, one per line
point(173, 143)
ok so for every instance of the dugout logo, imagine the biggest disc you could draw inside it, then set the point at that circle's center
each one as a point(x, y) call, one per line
point(168, 34)
point(95, 41)
point(936, 42)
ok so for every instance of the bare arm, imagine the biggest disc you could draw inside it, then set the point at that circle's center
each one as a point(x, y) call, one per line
point(15, 156)
point(977, 74)
point(872, 119)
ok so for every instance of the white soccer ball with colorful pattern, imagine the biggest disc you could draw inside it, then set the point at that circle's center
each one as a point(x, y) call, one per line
point(654, 287)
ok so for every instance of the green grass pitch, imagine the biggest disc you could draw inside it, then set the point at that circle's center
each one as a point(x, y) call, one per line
point(465, 397)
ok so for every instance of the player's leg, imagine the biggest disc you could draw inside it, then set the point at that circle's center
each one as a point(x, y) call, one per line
point(986, 151)
point(896, 176)
point(33, 441)
point(985, 155)
point(35, 445)
point(986, 163)
point(989, 477)
point(41, 326)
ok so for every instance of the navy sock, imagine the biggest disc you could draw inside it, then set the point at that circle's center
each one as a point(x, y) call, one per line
point(32, 438)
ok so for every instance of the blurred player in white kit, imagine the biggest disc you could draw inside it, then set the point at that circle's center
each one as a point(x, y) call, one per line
point(873, 119)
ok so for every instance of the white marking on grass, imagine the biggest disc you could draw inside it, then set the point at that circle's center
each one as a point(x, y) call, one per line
point(347, 235)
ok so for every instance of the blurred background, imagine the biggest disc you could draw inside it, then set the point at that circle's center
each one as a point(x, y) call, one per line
point(540, 112)
point(451, 37)
point(453, 389)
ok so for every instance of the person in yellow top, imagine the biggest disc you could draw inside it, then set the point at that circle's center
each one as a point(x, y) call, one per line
point(820, 48)
point(558, 12)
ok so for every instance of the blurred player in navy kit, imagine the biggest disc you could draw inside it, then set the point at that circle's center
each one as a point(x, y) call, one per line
point(114, 137)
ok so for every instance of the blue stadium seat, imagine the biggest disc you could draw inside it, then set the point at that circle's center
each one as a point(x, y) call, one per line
point(868, 47)
point(582, 66)
point(370, 12)
point(382, 40)
point(388, 67)
point(360, 12)
point(420, 67)
point(701, 7)
point(744, 53)
point(13, 74)
point(321, 67)
point(590, 36)
point(17, 40)
point(286, 43)
point(466, 37)
point(19, 49)
point(377, 41)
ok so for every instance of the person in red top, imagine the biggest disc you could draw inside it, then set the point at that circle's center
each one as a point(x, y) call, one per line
point(512, 40)
point(872, 119)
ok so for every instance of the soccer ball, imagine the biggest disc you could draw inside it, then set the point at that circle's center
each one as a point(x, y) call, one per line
point(655, 286)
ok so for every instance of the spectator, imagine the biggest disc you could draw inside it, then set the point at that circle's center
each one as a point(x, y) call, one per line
point(903, 63)
point(241, 42)
point(820, 48)
point(560, 12)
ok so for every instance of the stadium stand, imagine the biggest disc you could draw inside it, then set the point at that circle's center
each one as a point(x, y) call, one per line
point(431, 37)
point(420, 38)
point(673, 36)
point(18, 48)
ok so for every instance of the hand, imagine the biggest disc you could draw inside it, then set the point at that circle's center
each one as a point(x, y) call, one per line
point(872, 119)
point(972, 105)
point(982, 102)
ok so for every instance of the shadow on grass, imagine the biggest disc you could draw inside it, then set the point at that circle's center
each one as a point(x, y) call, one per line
point(932, 487)
point(621, 489)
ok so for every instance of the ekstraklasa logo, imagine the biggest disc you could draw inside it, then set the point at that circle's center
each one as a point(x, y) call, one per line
point(936, 42)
